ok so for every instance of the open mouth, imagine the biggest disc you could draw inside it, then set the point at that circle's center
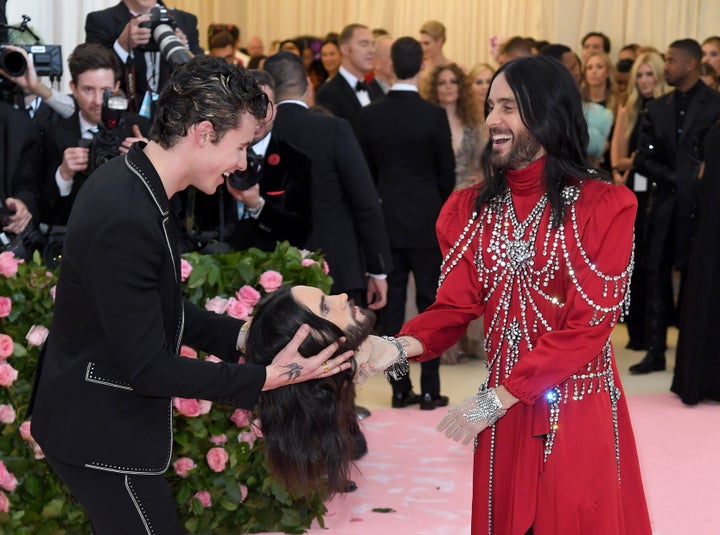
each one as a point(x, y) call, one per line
point(499, 140)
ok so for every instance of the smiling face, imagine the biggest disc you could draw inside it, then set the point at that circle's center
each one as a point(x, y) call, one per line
point(330, 58)
point(513, 146)
point(217, 160)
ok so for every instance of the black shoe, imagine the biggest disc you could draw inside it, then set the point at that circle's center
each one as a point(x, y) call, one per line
point(350, 486)
point(654, 361)
point(428, 403)
point(360, 447)
point(403, 400)
point(361, 412)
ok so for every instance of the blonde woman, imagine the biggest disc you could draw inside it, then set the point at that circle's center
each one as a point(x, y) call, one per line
point(648, 83)
point(598, 87)
point(480, 76)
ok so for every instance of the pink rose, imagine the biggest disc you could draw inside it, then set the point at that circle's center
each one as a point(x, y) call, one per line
point(248, 295)
point(183, 465)
point(243, 492)
point(187, 351)
point(4, 502)
point(9, 264)
point(247, 436)
point(257, 427)
point(238, 309)
point(218, 440)
point(185, 269)
point(204, 497)
point(52, 292)
point(7, 414)
point(216, 304)
point(217, 458)
point(270, 280)
point(205, 406)
point(37, 335)
point(7, 480)
point(326, 267)
point(241, 417)
point(5, 307)
point(308, 262)
point(6, 346)
point(38, 451)
point(213, 358)
point(187, 407)
point(8, 374)
point(25, 431)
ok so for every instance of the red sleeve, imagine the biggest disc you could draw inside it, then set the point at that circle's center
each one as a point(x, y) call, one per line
point(458, 300)
point(605, 220)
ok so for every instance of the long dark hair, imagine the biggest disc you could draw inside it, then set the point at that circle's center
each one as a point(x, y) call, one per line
point(308, 427)
point(550, 107)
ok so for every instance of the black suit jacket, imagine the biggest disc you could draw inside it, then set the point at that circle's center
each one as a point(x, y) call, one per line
point(671, 166)
point(106, 25)
point(285, 184)
point(64, 134)
point(341, 100)
point(111, 364)
point(20, 157)
point(347, 220)
point(408, 147)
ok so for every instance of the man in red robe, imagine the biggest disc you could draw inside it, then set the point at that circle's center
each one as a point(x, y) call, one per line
point(544, 251)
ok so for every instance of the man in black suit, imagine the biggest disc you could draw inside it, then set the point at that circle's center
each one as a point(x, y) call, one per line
point(271, 200)
point(408, 147)
point(347, 220)
point(119, 28)
point(669, 156)
point(67, 158)
point(345, 94)
point(110, 367)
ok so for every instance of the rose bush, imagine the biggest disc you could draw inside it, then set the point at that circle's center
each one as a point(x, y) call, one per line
point(218, 474)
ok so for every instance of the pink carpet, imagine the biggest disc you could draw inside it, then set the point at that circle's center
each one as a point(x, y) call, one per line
point(415, 481)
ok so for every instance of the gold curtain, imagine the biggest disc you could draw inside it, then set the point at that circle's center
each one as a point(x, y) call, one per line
point(470, 23)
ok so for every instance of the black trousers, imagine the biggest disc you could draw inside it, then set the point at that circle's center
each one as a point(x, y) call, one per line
point(122, 504)
point(425, 267)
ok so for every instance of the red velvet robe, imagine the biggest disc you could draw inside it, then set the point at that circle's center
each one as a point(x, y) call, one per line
point(562, 460)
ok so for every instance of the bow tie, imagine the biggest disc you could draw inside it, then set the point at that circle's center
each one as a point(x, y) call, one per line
point(361, 86)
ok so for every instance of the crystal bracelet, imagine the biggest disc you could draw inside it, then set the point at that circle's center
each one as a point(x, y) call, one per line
point(399, 368)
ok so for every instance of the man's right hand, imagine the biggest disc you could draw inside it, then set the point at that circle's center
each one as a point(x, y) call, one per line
point(133, 35)
point(74, 159)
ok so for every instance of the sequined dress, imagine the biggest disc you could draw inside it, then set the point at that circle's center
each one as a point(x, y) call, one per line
point(562, 460)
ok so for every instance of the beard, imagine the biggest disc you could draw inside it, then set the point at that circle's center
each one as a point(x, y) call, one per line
point(360, 328)
point(523, 151)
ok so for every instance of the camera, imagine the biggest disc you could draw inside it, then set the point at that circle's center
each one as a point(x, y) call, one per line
point(47, 60)
point(104, 145)
point(246, 179)
point(162, 24)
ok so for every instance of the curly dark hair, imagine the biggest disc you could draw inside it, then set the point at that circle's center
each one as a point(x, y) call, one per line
point(206, 88)
point(466, 108)
point(310, 427)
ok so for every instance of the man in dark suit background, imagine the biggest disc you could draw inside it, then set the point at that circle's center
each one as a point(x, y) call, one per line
point(93, 70)
point(278, 206)
point(669, 155)
point(118, 28)
point(407, 143)
point(345, 94)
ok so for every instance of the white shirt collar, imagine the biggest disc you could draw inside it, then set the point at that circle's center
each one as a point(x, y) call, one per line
point(401, 86)
point(351, 79)
point(261, 146)
point(292, 101)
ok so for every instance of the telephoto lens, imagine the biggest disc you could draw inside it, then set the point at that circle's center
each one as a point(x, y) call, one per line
point(12, 62)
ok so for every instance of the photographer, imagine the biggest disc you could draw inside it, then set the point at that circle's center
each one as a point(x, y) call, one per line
point(20, 154)
point(69, 157)
point(122, 29)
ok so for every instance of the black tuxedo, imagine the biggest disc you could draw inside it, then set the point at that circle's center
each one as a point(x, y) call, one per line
point(347, 220)
point(341, 100)
point(670, 163)
point(285, 184)
point(407, 143)
point(106, 25)
point(20, 157)
point(59, 136)
point(111, 364)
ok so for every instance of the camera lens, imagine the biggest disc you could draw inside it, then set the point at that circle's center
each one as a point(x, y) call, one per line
point(12, 62)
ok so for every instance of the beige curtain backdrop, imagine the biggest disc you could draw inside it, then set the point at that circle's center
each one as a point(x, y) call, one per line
point(470, 23)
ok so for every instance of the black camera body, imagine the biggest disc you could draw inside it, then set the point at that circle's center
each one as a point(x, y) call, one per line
point(162, 24)
point(158, 15)
point(47, 60)
point(104, 145)
point(246, 179)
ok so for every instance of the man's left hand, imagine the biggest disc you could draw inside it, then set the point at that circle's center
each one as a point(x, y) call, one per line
point(377, 293)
